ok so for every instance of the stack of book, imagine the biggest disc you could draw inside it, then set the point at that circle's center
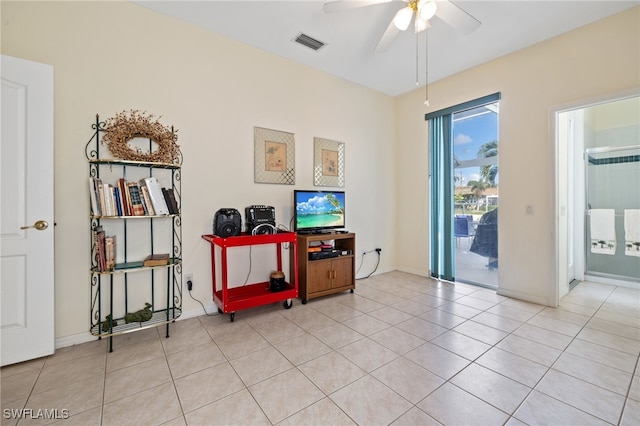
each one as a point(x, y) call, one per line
point(104, 250)
point(144, 198)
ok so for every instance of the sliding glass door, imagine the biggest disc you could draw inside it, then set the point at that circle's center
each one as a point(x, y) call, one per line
point(463, 160)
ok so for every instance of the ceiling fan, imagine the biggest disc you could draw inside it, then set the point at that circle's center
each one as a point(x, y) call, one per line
point(421, 10)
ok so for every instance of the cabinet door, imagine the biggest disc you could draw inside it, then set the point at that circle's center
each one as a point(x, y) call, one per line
point(319, 276)
point(343, 272)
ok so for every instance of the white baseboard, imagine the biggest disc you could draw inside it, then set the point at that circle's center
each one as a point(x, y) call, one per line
point(77, 339)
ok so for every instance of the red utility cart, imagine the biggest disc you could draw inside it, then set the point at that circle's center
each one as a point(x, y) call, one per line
point(229, 300)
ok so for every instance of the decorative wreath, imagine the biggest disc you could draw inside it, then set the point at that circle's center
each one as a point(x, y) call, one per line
point(125, 126)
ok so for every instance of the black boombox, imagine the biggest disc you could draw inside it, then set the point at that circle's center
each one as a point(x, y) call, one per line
point(260, 219)
point(227, 223)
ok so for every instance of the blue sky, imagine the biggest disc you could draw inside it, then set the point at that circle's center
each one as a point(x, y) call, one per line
point(468, 135)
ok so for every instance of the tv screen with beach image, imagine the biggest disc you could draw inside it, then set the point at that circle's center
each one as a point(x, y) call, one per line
point(319, 209)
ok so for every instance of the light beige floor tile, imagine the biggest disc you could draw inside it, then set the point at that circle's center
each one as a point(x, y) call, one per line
point(442, 318)
point(149, 334)
point(189, 335)
point(391, 316)
point(634, 389)
point(592, 399)
point(543, 336)
point(513, 366)
point(491, 387)
point(564, 315)
point(410, 307)
point(408, 379)
point(607, 314)
point(429, 300)
point(459, 310)
point(331, 372)
point(628, 331)
point(481, 332)
point(220, 327)
point(475, 302)
point(450, 405)
point(552, 324)
point(337, 335)
point(566, 305)
point(421, 328)
point(322, 413)
point(18, 386)
point(92, 417)
point(496, 321)
point(522, 305)
point(21, 367)
point(134, 353)
point(130, 380)
point(152, 406)
point(397, 340)
point(530, 350)
point(384, 297)
point(178, 421)
point(63, 355)
point(631, 414)
point(278, 330)
point(236, 409)
point(513, 313)
point(257, 366)
point(514, 422)
point(285, 394)
point(489, 295)
point(369, 402)
point(603, 355)
point(303, 348)
point(540, 409)
point(194, 359)
point(415, 417)
point(595, 373)
point(57, 375)
point(366, 324)
point(335, 310)
point(360, 303)
point(11, 417)
point(308, 319)
point(76, 397)
point(461, 345)
point(613, 341)
point(437, 360)
point(367, 354)
point(207, 386)
point(247, 340)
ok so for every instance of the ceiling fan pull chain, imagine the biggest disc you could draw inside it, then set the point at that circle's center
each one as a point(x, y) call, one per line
point(426, 67)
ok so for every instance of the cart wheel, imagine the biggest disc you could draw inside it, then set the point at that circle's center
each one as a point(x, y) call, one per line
point(233, 316)
point(304, 301)
point(219, 310)
point(288, 304)
point(351, 290)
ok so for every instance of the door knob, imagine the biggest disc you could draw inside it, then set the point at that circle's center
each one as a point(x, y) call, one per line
point(40, 225)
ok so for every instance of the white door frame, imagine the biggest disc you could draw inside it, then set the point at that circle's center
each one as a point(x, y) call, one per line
point(558, 205)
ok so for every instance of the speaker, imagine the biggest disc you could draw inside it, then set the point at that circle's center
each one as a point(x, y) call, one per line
point(227, 223)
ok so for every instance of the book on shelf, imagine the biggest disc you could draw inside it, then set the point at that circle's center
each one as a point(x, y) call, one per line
point(129, 265)
point(110, 252)
point(170, 199)
point(99, 254)
point(94, 196)
point(118, 201)
point(101, 200)
point(147, 201)
point(155, 194)
point(136, 202)
point(124, 195)
point(156, 259)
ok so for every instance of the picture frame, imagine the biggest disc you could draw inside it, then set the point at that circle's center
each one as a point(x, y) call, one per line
point(274, 156)
point(328, 162)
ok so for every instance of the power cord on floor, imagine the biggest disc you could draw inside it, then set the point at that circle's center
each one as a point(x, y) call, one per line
point(362, 262)
point(189, 287)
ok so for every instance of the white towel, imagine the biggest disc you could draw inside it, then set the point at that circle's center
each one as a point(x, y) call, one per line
point(632, 232)
point(603, 231)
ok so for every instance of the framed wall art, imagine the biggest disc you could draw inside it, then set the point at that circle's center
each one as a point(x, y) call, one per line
point(274, 157)
point(328, 162)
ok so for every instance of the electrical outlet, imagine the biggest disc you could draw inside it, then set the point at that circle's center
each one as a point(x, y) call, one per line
point(379, 250)
point(188, 281)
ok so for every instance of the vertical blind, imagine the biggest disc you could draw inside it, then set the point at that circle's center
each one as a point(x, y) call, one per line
point(442, 261)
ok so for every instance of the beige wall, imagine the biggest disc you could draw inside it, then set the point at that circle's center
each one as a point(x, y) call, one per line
point(591, 62)
point(111, 57)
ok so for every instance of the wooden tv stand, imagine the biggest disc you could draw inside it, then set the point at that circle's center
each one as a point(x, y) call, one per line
point(325, 276)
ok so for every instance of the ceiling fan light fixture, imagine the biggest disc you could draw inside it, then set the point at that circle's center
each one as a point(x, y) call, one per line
point(427, 9)
point(420, 25)
point(403, 18)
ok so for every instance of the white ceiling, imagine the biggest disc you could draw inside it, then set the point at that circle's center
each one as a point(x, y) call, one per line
point(351, 35)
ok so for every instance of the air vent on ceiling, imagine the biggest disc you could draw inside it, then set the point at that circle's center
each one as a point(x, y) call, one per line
point(308, 41)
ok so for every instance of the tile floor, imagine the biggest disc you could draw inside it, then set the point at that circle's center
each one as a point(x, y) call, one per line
point(401, 350)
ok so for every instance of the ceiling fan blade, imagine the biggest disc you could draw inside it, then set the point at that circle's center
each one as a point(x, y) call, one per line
point(389, 35)
point(456, 17)
point(340, 5)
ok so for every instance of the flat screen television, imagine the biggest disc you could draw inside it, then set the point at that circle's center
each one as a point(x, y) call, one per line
point(318, 211)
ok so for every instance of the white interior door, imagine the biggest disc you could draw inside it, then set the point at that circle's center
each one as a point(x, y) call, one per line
point(26, 222)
